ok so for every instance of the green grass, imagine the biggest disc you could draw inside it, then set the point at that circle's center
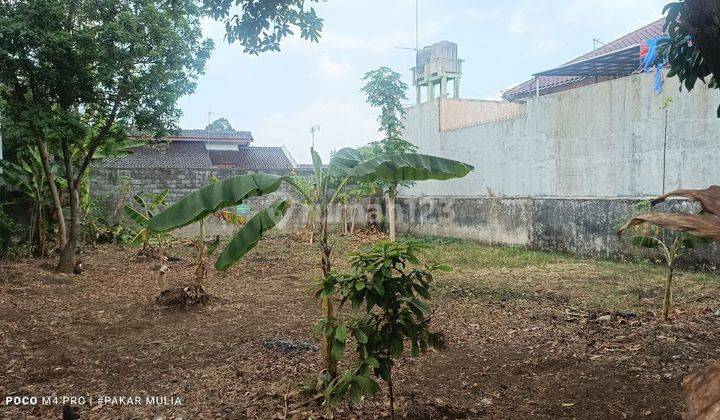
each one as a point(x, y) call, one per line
point(512, 273)
point(485, 274)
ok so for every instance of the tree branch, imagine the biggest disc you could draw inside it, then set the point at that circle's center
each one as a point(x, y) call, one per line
point(97, 141)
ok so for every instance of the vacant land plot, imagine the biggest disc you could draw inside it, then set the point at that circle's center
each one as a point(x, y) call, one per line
point(529, 335)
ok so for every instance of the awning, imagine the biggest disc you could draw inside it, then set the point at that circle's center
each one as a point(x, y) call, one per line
point(619, 62)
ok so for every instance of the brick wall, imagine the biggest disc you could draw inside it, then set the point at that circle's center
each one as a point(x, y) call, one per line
point(115, 186)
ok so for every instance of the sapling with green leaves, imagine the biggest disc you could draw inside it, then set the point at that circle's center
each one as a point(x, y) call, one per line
point(389, 293)
point(145, 211)
point(653, 230)
point(385, 89)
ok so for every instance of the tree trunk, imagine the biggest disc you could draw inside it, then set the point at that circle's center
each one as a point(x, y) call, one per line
point(353, 215)
point(57, 203)
point(327, 305)
point(31, 232)
point(702, 20)
point(392, 399)
point(391, 213)
point(201, 270)
point(69, 251)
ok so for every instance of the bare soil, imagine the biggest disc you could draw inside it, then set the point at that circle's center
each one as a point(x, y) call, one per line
point(530, 335)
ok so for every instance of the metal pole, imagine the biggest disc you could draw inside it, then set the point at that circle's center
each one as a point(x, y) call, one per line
point(417, 26)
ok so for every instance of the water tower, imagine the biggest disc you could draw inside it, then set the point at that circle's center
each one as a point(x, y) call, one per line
point(436, 65)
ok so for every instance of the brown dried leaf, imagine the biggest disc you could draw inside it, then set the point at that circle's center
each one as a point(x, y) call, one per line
point(698, 225)
point(702, 393)
point(709, 198)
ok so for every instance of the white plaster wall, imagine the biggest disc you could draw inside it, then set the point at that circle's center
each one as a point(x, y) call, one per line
point(603, 140)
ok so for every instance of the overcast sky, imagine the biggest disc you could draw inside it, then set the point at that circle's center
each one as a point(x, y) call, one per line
point(280, 95)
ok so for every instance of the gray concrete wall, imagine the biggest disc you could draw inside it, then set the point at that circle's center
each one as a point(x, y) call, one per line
point(603, 140)
point(579, 226)
point(116, 187)
point(562, 176)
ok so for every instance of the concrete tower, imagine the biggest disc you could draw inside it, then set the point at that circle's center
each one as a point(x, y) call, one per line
point(436, 65)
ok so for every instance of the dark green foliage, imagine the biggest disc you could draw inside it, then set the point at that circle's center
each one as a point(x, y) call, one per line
point(145, 211)
point(683, 53)
point(385, 89)
point(221, 124)
point(261, 25)
point(391, 294)
point(10, 235)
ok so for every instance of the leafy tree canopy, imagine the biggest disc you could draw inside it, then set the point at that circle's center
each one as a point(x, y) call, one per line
point(221, 124)
point(78, 69)
point(385, 89)
point(261, 25)
point(693, 49)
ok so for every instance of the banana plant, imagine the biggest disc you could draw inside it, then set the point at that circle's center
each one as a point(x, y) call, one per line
point(28, 177)
point(345, 166)
point(693, 230)
point(146, 211)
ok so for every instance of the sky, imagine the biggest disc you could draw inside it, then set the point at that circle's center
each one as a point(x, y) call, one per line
point(278, 96)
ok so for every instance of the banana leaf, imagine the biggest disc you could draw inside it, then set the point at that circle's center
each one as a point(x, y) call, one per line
point(213, 197)
point(409, 167)
point(342, 162)
point(135, 215)
point(698, 225)
point(250, 234)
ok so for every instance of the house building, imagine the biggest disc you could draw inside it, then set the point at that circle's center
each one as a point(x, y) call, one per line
point(207, 149)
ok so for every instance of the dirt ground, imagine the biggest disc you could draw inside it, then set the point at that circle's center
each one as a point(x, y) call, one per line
point(529, 334)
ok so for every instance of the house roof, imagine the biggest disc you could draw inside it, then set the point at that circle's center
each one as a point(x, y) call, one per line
point(252, 158)
point(175, 155)
point(211, 135)
point(194, 155)
point(546, 82)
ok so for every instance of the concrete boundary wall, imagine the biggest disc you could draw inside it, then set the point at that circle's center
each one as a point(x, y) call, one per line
point(564, 174)
point(610, 139)
point(583, 227)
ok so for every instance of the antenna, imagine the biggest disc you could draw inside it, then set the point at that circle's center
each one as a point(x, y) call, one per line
point(597, 42)
point(210, 114)
point(314, 129)
point(417, 25)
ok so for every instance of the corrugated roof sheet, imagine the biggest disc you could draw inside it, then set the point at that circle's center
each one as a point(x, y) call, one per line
point(527, 88)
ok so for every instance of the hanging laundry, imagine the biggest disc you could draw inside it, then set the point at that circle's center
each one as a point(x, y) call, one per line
point(651, 59)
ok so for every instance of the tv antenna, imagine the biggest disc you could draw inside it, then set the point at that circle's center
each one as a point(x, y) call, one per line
point(314, 129)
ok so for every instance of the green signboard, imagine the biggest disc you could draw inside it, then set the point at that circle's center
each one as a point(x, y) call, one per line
point(243, 209)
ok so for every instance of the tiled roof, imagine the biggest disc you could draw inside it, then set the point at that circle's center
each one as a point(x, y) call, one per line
point(252, 158)
point(194, 155)
point(527, 88)
point(175, 155)
point(211, 135)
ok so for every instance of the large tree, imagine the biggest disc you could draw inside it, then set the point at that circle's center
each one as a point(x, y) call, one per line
point(693, 49)
point(76, 74)
point(385, 89)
